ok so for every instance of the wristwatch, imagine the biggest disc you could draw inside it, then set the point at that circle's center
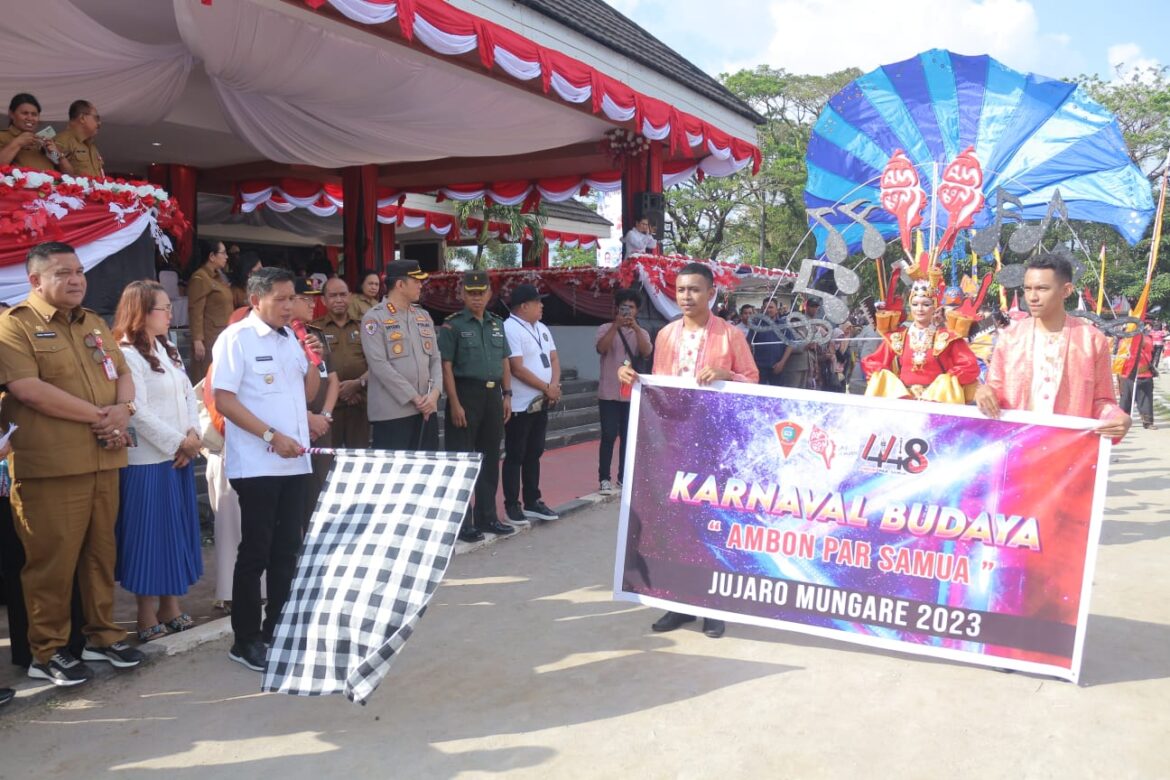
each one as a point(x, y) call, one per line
point(131, 407)
point(506, 392)
point(328, 416)
point(269, 435)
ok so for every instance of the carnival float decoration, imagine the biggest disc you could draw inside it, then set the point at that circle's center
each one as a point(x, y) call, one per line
point(964, 164)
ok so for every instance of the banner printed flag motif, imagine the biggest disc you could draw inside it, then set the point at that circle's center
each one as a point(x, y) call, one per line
point(381, 538)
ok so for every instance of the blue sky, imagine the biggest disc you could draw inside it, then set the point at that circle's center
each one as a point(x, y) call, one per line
point(1050, 37)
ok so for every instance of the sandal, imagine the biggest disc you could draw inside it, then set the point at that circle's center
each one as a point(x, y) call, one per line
point(154, 632)
point(179, 623)
point(222, 606)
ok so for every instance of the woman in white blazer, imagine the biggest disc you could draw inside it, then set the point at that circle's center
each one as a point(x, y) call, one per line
point(159, 552)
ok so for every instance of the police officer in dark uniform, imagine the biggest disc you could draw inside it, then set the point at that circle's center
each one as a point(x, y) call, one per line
point(476, 379)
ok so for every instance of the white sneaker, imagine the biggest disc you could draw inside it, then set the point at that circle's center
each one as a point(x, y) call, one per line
point(606, 487)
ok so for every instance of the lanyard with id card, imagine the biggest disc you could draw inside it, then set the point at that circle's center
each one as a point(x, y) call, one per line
point(544, 361)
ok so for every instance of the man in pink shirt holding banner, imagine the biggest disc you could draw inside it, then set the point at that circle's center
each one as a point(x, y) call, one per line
point(1053, 363)
point(708, 349)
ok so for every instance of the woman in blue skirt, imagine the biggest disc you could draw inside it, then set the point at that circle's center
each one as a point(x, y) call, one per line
point(159, 555)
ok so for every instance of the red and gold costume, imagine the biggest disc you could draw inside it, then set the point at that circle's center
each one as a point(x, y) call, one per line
point(931, 364)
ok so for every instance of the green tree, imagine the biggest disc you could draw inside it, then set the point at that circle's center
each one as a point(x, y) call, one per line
point(758, 219)
point(519, 224)
point(573, 257)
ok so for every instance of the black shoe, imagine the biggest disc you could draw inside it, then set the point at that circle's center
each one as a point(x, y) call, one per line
point(515, 514)
point(496, 527)
point(61, 669)
point(119, 654)
point(469, 534)
point(713, 628)
point(6, 695)
point(251, 654)
point(541, 511)
point(671, 620)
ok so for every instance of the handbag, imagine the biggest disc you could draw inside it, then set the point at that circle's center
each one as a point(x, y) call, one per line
point(643, 365)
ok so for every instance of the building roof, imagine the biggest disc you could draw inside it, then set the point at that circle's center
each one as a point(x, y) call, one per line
point(599, 22)
point(575, 210)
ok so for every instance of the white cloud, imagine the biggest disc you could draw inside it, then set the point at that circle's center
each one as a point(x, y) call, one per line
point(821, 36)
point(1125, 58)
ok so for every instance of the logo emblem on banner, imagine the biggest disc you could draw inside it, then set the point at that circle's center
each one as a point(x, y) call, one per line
point(822, 444)
point(788, 433)
point(894, 454)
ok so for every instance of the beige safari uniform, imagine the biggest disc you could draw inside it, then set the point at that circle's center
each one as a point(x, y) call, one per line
point(64, 483)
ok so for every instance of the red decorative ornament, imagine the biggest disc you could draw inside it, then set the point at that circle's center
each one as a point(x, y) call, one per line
point(903, 196)
point(961, 195)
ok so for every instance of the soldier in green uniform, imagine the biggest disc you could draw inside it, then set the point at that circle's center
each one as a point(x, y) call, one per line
point(476, 379)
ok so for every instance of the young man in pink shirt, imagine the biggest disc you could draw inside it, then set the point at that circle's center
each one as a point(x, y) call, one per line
point(1053, 363)
point(708, 349)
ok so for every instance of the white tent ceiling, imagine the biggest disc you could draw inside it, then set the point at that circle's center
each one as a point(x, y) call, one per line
point(248, 80)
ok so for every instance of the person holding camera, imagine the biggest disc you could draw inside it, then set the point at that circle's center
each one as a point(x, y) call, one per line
point(536, 385)
point(619, 343)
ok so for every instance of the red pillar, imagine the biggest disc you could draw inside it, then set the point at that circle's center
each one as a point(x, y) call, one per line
point(386, 233)
point(359, 195)
point(180, 182)
point(540, 261)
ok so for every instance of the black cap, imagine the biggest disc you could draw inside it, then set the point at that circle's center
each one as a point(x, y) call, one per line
point(523, 294)
point(403, 268)
point(476, 281)
point(305, 287)
point(812, 301)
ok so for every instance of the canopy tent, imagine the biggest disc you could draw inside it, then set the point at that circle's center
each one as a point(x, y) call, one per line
point(513, 102)
point(218, 84)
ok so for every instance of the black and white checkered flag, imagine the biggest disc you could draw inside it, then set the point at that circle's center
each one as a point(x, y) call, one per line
point(382, 535)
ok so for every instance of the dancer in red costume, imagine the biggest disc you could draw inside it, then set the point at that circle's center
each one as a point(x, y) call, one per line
point(922, 360)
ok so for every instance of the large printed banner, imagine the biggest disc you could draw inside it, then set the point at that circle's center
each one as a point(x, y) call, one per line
point(906, 525)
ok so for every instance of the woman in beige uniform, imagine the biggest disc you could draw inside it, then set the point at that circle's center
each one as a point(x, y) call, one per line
point(209, 304)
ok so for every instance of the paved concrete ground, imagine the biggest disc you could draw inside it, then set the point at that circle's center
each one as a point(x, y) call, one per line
point(568, 473)
point(524, 665)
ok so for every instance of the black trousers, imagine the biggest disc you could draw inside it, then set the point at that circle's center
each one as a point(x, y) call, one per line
point(1144, 399)
point(272, 514)
point(615, 422)
point(407, 433)
point(11, 563)
point(485, 425)
point(523, 445)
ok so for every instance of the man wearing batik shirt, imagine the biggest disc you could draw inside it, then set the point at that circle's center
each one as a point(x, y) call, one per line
point(707, 349)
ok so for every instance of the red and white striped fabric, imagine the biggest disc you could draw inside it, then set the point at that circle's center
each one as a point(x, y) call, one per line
point(325, 200)
point(453, 32)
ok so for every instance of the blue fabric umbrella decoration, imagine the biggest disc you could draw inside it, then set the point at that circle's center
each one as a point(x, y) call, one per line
point(1032, 135)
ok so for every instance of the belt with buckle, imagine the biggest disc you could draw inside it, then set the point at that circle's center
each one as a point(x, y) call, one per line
point(489, 384)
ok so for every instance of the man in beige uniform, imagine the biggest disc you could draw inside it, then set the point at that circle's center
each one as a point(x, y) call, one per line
point(75, 142)
point(72, 396)
point(343, 335)
point(405, 369)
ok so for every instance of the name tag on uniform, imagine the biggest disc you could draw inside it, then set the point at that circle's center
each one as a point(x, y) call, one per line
point(544, 360)
point(45, 334)
point(111, 372)
point(263, 358)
